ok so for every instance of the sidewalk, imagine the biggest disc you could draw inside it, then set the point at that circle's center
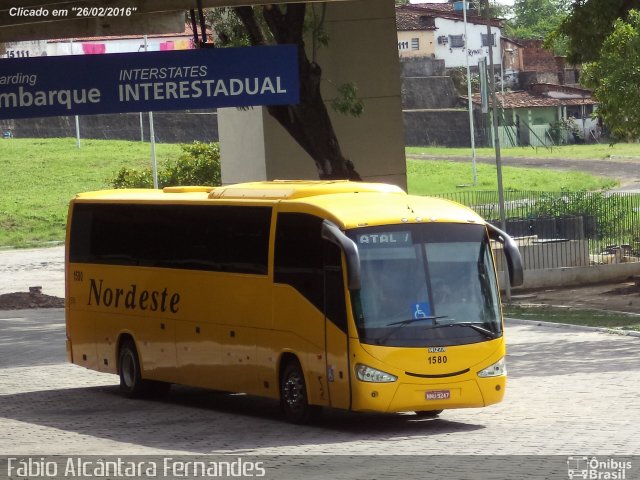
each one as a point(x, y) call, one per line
point(24, 268)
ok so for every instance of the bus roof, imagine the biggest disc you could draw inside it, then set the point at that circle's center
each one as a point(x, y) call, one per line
point(349, 204)
point(291, 189)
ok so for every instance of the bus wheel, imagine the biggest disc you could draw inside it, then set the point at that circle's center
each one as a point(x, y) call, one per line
point(131, 382)
point(293, 395)
point(428, 413)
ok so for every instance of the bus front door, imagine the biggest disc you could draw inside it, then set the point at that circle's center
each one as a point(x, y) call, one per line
point(336, 331)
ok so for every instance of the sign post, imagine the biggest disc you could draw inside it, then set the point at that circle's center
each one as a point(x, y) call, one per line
point(152, 140)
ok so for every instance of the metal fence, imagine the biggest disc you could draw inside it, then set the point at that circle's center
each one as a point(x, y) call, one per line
point(565, 229)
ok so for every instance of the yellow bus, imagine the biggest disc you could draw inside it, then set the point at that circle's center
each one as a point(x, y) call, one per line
point(336, 294)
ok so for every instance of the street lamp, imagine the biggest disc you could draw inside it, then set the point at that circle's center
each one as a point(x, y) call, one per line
point(496, 136)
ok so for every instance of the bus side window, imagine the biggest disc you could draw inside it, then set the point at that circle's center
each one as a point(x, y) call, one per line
point(299, 255)
point(304, 261)
point(196, 237)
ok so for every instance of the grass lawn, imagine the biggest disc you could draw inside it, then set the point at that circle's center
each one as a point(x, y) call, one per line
point(441, 176)
point(40, 176)
point(596, 151)
point(572, 316)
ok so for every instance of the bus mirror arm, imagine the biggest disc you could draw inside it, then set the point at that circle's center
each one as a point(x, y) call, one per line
point(333, 234)
point(511, 253)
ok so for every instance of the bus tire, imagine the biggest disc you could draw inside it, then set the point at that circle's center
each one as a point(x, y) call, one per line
point(294, 399)
point(131, 382)
point(428, 413)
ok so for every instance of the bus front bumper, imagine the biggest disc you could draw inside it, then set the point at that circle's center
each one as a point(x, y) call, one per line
point(406, 396)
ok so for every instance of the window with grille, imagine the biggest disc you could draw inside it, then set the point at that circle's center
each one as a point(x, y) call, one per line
point(456, 41)
point(485, 39)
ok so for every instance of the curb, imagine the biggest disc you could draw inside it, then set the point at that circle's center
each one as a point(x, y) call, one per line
point(582, 328)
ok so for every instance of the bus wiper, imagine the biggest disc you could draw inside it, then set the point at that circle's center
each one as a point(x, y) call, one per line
point(404, 323)
point(413, 320)
point(477, 328)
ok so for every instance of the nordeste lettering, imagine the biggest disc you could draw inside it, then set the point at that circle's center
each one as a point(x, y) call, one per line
point(132, 298)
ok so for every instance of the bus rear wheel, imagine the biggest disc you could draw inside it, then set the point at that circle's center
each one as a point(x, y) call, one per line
point(131, 382)
point(428, 413)
point(293, 395)
point(129, 370)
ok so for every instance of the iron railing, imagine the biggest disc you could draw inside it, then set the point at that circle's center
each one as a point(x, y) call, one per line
point(564, 229)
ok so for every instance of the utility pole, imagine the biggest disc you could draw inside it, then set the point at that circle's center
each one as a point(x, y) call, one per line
point(496, 137)
point(152, 139)
point(77, 119)
point(470, 102)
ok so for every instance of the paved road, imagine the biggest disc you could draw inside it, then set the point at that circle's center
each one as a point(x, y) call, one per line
point(570, 392)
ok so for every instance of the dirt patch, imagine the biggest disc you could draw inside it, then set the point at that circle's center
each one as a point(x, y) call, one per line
point(22, 300)
point(616, 297)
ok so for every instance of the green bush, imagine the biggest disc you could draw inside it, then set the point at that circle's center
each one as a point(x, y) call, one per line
point(199, 164)
point(132, 178)
point(608, 210)
point(561, 129)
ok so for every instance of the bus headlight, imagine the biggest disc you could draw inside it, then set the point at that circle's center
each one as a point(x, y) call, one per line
point(495, 370)
point(368, 374)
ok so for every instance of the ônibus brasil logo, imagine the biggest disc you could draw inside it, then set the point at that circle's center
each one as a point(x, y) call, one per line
point(596, 469)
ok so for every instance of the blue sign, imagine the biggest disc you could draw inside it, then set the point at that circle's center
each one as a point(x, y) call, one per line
point(421, 310)
point(148, 81)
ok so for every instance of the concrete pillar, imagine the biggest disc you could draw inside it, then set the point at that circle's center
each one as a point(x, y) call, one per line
point(363, 50)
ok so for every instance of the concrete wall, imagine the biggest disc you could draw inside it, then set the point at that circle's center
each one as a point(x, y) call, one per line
point(437, 127)
point(362, 49)
point(432, 112)
point(422, 67)
point(428, 93)
point(528, 77)
point(169, 127)
point(570, 276)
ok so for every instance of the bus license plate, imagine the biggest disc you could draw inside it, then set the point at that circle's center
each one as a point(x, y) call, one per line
point(438, 394)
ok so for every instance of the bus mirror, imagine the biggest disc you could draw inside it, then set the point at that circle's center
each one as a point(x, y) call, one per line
point(332, 233)
point(511, 253)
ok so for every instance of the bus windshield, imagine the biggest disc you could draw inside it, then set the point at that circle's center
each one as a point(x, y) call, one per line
point(426, 285)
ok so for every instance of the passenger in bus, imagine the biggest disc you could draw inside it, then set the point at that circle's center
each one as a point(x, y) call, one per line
point(442, 291)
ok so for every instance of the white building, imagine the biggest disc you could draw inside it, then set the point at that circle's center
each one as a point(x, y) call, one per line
point(98, 45)
point(437, 30)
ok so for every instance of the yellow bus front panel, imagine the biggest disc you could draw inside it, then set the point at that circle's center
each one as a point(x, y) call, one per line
point(418, 386)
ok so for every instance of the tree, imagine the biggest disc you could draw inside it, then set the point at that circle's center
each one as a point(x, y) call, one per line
point(307, 122)
point(605, 33)
point(589, 23)
point(615, 76)
point(536, 19)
